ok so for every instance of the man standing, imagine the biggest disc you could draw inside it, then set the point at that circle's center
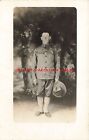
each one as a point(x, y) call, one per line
point(46, 61)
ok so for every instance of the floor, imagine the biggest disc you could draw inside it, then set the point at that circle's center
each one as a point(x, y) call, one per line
point(62, 109)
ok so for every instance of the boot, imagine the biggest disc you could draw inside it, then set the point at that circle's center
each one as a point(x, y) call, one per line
point(40, 105)
point(46, 104)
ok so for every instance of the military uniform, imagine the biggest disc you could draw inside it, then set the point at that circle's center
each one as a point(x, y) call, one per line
point(46, 60)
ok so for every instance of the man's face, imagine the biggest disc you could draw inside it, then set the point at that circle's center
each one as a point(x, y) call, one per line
point(45, 39)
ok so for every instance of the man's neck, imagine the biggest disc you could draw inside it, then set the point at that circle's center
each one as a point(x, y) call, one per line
point(45, 45)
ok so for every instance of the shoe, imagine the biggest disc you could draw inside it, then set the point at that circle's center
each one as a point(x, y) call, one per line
point(47, 114)
point(39, 113)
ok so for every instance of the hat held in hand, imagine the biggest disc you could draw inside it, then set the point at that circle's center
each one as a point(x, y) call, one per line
point(59, 89)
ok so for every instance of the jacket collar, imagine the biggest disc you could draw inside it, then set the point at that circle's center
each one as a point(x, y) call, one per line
point(45, 46)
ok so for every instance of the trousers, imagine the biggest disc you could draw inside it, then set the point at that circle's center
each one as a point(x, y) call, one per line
point(45, 87)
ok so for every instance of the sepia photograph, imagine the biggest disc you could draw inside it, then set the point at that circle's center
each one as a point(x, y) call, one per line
point(44, 70)
point(44, 64)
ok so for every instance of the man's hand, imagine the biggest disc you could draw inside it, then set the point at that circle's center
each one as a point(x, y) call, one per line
point(35, 82)
point(56, 80)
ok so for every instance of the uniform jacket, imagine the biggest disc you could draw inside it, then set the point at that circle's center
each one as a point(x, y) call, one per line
point(45, 60)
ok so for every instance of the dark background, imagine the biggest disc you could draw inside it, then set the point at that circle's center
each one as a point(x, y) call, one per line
point(53, 20)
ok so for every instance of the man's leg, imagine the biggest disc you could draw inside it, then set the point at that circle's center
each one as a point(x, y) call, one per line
point(40, 103)
point(46, 104)
point(48, 91)
point(40, 93)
